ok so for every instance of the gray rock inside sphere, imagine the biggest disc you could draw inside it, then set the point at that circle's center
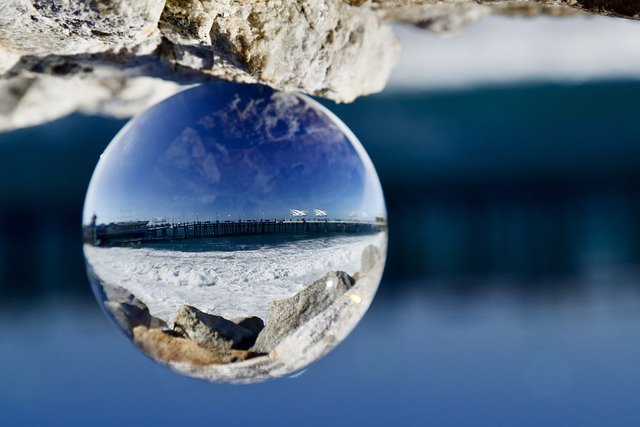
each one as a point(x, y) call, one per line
point(128, 311)
point(211, 331)
point(287, 315)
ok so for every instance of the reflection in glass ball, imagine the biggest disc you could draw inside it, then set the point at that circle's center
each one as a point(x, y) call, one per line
point(235, 233)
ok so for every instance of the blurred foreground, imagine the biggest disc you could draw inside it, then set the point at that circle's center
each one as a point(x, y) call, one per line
point(516, 301)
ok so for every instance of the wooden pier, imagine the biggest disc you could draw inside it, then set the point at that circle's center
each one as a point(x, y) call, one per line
point(123, 233)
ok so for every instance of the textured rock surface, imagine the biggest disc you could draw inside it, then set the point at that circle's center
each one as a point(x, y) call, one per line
point(370, 258)
point(30, 101)
point(287, 315)
point(211, 331)
point(128, 311)
point(72, 27)
point(339, 49)
point(165, 348)
point(198, 338)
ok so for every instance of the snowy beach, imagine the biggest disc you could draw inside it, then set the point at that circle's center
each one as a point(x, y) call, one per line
point(227, 283)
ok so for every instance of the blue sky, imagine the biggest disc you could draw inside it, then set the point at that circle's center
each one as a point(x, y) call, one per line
point(224, 150)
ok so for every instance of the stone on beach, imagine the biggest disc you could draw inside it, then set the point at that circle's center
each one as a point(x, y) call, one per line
point(213, 332)
point(287, 315)
point(197, 339)
point(164, 347)
point(369, 259)
point(128, 311)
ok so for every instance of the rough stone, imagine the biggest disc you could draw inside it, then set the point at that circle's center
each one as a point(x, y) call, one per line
point(128, 311)
point(369, 259)
point(29, 101)
point(211, 331)
point(287, 315)
point(165, 348)
point(338, 49)
point(69, 27)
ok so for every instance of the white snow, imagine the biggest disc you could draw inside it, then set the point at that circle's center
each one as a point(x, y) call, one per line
point(230, 284)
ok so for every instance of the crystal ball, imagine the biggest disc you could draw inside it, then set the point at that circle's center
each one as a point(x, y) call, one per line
point(235, 233)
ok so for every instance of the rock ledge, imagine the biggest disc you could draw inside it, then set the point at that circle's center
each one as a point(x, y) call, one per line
point(116, 57)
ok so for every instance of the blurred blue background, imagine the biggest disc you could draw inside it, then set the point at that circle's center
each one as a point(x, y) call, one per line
point(511, 294)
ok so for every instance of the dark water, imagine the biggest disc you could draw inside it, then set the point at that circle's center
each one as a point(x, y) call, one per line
point(243, 243)
point(511, 295)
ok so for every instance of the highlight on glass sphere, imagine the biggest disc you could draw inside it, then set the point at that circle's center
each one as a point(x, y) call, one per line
point(235, 233)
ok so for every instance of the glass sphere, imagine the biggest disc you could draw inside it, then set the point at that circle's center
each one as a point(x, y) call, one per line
point(235, 233)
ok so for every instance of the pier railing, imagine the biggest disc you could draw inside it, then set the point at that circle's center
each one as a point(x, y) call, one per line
point(119, 234)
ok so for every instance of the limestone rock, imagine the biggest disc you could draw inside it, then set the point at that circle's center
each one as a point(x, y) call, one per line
point(440, 17)
point(128, 311)
point(211, 331)
point(287, 315)
point(338, 49)
point(29, 101)
point(328, 48)
point(71, 27)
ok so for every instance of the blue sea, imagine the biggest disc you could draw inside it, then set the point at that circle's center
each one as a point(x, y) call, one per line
point(511, 294)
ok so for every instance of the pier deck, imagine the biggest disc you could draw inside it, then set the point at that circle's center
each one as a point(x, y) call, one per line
point(112, 234)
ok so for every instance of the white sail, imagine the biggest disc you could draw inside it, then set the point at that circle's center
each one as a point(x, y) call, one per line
point(298, 212)
point(320, 212)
